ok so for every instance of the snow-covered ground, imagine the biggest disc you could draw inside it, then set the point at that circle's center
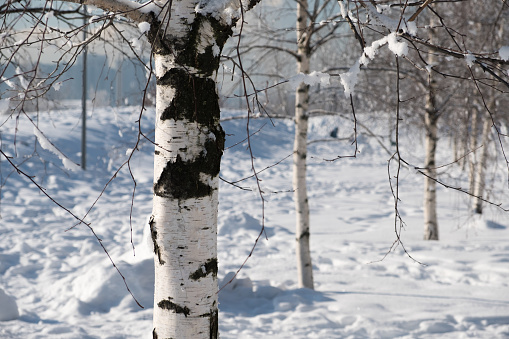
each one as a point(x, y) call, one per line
point(57, 282)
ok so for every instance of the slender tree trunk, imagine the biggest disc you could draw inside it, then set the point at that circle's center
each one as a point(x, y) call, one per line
point(472, 163)
point(430, 194)
point(189, 145)
point(431, 127)
point(479, 180)
point(304, 266)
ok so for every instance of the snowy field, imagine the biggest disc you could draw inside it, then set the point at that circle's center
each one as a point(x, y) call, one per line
point(57, 282)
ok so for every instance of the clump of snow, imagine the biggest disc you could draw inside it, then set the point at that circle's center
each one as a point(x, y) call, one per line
point(144, 27)
point(383, 8)
point(370, 51)
point(223, 10)
point(349, 79)
point(313, 78)
point(469, 58)
point(56, 86)
point(8, 307)
point(397, 47)
point(504, 53)
point(47, 145)
point(48, 15)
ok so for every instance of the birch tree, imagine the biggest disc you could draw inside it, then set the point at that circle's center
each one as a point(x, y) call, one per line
point(431, 117)
point(316, 25)
point(302, 231)
point(448, 52)
point(186, 38)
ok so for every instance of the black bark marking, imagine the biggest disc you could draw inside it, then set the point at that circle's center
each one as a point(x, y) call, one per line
point(154, 334)
point(213, 323)
point(210, 267)
point(303, 235)
point(169, 305)
point(181, 179)
point(185, 49)
point(195, 98)
point(153, 233)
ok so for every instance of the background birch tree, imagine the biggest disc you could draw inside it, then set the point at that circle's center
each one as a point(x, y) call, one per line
point(450, 60)
point(317, 24)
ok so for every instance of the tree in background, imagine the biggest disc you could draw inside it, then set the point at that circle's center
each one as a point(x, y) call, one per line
point(317, 23)
point(433, 63)
point(309, 40)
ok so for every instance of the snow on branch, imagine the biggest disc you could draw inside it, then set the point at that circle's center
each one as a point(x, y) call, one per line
point(313, 78)
point(47, 145)
point(399, 48)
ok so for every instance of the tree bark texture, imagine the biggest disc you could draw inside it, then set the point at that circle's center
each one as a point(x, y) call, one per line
point(303, 252)
point(189, 144)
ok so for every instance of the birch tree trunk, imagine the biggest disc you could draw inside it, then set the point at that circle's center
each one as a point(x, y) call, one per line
point(189, 144)
point(431, 116)
point(479, 180)
point(430, 194)
point(304, 266)
point(472, 163)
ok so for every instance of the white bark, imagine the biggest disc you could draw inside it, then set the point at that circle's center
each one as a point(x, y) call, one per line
point(189, 143)
point(430, 195)
point(184, 223)
point(472, 163)
point(431, 128)
point(304, 266)
point(479, 179)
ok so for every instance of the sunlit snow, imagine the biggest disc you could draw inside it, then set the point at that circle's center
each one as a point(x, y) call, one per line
point(64, 286)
